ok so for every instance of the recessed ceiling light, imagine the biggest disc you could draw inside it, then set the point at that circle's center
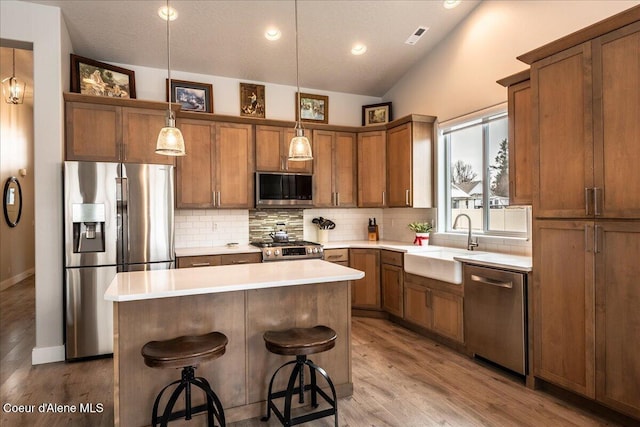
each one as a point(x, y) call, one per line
point(163, 13)
point(450, 4)
point(358, 49)
point(272, 34)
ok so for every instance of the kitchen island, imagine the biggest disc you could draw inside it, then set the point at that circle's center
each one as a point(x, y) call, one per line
point(241, 301)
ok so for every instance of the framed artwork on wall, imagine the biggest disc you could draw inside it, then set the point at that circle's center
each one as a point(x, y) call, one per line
point(252, 100)
point(312, 108)
point(192, 96)
point(90, 77)
point(376, 114)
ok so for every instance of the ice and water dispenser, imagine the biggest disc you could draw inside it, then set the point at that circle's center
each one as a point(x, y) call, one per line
point(88, 227)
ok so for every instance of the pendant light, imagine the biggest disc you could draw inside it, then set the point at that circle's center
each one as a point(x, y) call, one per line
point(13, 88)
point(170, 141)
point(299, 147)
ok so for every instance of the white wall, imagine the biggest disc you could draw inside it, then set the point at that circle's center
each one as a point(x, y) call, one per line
point(344, 109)
point(43, 26)
point(459, 76)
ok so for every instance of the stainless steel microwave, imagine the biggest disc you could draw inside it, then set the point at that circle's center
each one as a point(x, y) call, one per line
point(275, 190)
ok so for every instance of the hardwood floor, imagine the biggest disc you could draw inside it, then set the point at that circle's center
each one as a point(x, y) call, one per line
point(400, 379)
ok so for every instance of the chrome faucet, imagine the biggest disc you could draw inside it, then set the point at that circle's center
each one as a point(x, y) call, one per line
point(470, 242)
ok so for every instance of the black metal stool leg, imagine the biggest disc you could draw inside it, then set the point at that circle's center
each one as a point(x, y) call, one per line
point(334, 402)
point(154, 416)
point(300, 361)
point(289, 395)
point(166, 415)
point(314, 384)
point(273, 377)
point(217, 412)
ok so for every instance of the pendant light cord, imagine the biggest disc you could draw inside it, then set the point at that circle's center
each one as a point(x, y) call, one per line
point(168, 63)
point(14, 63)
point(299, 123)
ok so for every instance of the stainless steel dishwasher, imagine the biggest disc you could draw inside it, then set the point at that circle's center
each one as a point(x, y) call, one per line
point(495, 316)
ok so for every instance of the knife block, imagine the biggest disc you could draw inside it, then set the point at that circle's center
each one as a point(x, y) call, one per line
point(373, 233)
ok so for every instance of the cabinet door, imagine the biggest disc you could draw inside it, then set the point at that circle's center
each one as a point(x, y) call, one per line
point(520, 149)
point(563, 298)
point(618, 315)
point(140, 134)
point(446, 314)
point(345, 170)
point(323, 193)
point(269, 155)
point(616, 88)
point(93, 132)
point(392, 289)
point(415, 305)
point(366, 291)
point(194, 179)
point(399, 166)
point(371, 169)
point(563, 137)
point(234, 165)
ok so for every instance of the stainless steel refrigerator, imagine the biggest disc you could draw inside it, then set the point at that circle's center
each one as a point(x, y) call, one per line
point(117, 217)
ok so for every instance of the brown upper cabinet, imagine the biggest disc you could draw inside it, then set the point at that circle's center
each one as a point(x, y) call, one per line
point(586, 128)
point(409, 163)
point(217, 171)
point(334, 163)
point(520, 136)
point(272, 151)
point(112, 130)
point(372, 169)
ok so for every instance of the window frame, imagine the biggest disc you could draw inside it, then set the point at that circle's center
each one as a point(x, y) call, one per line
point(481, 118)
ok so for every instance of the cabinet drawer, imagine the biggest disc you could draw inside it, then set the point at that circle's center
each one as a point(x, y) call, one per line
point(391, 257)
point(250, 258)
point(198, 261)
point(336, 255)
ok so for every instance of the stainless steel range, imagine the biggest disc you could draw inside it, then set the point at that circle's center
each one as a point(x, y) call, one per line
point(287, 251)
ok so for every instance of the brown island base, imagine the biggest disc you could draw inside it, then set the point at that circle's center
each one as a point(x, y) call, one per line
point(242, 302)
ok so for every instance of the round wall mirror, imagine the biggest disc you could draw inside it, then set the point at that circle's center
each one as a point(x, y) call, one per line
point(12, 201)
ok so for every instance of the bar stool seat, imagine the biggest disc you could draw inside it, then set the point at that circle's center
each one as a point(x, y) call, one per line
point(301, 342)
point(186, 352)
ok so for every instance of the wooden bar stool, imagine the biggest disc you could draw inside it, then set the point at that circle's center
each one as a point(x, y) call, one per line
point(186, 352)
point(300, 342)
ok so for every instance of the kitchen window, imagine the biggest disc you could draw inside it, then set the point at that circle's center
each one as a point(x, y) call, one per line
point(476, 177)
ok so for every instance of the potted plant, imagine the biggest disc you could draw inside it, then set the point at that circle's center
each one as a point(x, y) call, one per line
point(422, 230)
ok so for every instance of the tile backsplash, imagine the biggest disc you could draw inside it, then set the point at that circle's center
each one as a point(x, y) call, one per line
point(217, 227)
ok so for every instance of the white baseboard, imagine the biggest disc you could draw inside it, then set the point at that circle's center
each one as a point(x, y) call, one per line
point(41, 355)
point(7, 283)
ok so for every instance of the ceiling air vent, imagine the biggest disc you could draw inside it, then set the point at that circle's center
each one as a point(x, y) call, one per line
point(417, 35)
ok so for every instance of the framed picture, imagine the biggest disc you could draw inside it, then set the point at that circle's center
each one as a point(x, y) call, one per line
point(192, 96)
point(376, 114)
point(252, 100)
point(91, 77)
point(313, 108)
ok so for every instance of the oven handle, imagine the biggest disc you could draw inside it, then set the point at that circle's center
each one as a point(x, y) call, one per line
point(491, 282)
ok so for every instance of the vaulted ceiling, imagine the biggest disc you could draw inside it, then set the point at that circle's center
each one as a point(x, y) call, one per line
point(226, 38)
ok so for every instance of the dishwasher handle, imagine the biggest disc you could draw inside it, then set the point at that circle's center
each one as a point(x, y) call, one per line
point(491, 282)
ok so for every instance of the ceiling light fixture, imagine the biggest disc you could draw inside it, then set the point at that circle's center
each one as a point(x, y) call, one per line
point(299, 147)
point(450, 4)
point(12, 87)
point(358, 49)
point(168, 12)
point(170, 141)
point(272, 34)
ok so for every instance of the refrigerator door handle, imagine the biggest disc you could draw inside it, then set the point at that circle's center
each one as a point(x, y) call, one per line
point(123, 220)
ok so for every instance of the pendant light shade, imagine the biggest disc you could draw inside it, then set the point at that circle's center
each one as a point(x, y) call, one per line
point(299, 147)
point(13, 88)
point(170, 141)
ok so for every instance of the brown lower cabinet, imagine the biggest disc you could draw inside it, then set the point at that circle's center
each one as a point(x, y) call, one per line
point(365, 293)
point(434, 305)
point(392, 282)
point(211, 260)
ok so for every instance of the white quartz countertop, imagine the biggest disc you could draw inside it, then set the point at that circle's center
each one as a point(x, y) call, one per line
point(140, 285)
point(498, 260)
point(380, 244)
